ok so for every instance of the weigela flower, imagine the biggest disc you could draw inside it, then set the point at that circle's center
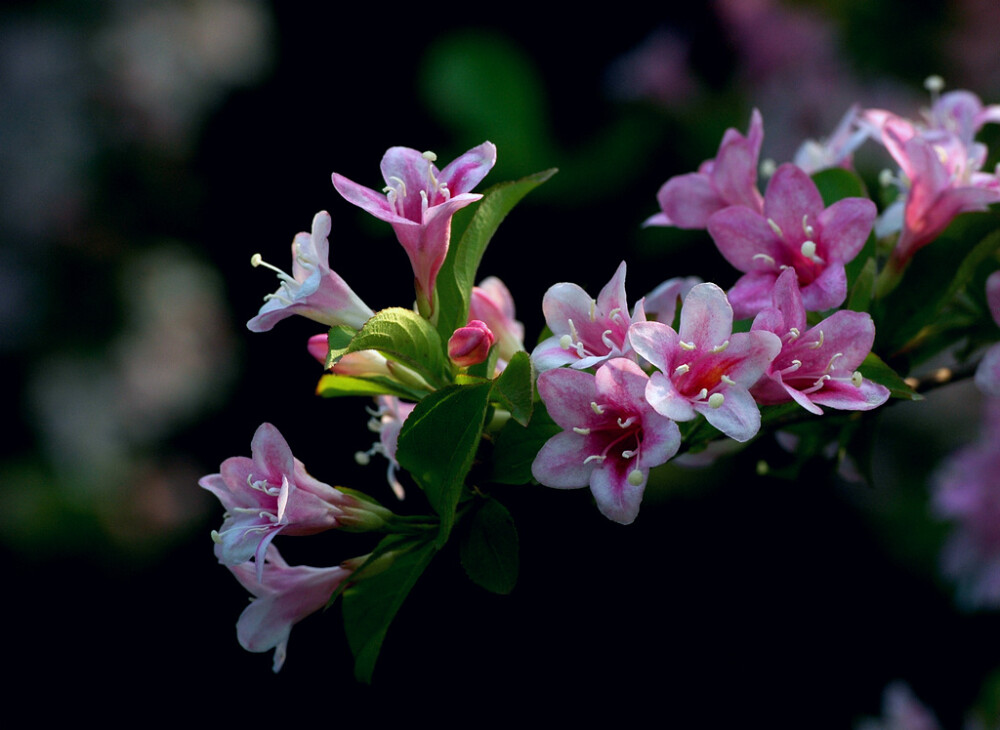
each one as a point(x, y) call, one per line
point(492, 304)
point(988, 371)
point(901, 710)
point(387, 421)
point(611, 437)
point(818, 365)
point(271, 493)
point(313, 290)
point(794, 231)
point(283, 595)
point(470, 345)
point(704, 368)
point(586, 331)
point(837, 150)
point(687, 201)
point(419, 201)
point(660, 304)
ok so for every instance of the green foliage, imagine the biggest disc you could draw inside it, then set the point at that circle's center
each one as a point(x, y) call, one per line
point(438, 444)
point(514, 388)
point(489, 547)
point(381, 586)
point(458, 273)
point(516, 447)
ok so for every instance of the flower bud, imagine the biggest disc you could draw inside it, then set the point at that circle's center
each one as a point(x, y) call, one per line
point(470, 345)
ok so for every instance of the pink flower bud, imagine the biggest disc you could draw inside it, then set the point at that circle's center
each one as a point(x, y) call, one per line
point(470, 344)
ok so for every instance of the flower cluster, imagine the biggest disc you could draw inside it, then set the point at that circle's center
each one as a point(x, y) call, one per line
point(616, 387)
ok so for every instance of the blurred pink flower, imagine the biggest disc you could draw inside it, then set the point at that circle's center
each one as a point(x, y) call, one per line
point(988, 372)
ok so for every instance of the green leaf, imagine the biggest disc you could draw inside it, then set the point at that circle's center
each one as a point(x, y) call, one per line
point(982, 251)
point(513, 389)
point(489, 548)
point(877, 371)
point(458, 273)
point(860, 297)
point(836, 183)
point(438, 443)
point(516, 447)
point(332, 385)
point(370, 605)
point(339, 338)
point(405, 337)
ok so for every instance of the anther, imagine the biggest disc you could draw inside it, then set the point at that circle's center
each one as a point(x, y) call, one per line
point(593, 310)
point(686, 345)
point(581, 431)
point(806, 228)
point(627, 422)
point(598, 409)
point(716, 399)
point(681, 369)
point(727, 380)
point(818, 343)
point(628, 453)
point(594, 457)
point(769, 260)
point(794, 333)
point(775, 227)
point(429, 156)
point(829, 365)
point(720, 348)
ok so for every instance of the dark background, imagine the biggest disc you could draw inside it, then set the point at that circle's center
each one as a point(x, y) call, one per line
point(732, 599)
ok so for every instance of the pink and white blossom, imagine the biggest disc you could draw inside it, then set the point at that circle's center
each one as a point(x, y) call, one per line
point(419, 201)
point(586, 331)
point(313, 290)
point(661, 303)
point(611, 437)
point(988, 371)
point(817, 365)
point(470, 345)
point(492, 303)
point(387, 421)
point(704, 368)
point(283, 595)
point(730, 179)
point(795, 230)
point(270, 493)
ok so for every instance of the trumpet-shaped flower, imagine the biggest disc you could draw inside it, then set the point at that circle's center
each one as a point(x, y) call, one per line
point(283, 595)
point(313, 290)
point(586, 331)
point(703, 367)
point(818, 365)
point(687, 201)
point(794, 231)
point(418, 201)
point(611, 437)
point(387, 421)
point(271, 493)
point(492, 303)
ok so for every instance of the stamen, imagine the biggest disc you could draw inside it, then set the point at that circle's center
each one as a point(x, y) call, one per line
point(769, 260)
point(686, 345)
point(258, 260)
point(627, 422)
point(594, 457)
point(572, 331)
point(615, 313)
point(806, 228)
point(793, 333)
point(775, 228)
point(796, 364)
point(727, 380)
point(606, 339)
point(681, 369)
point(716, 399)
point(628, 453)
point(818, 343)
point(581, 431)
point(702, 394)
point(400, 187)
point(829, 365)
point(720, 348)
point(599, 410)
point(593, 310)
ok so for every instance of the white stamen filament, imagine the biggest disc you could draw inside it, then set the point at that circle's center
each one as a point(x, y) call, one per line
point(818, 343)
point(829, 365)
point(720, 348)
point(727, 380)
point(594, 457)
point(628, 453)
point(627, 422)
point(806, 228)
point(775, 228)
point(769, 260)
point(598, 409)
point(793, 333)
point(686, 345)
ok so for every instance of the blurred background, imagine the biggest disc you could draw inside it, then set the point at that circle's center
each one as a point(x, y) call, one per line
point(150, 148)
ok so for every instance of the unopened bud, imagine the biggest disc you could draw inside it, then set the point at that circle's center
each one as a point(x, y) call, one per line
point(470, 345)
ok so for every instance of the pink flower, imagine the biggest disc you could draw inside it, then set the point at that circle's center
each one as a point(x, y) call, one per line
point(387, 421)
point(988, 372)
point(283, 595)
point(271, 493)
point(492, 304)
point(901, 710)
point(835, 151)
point(704, 368)
point(661, 303)
point(314, 291)
point(585, 331)
point(793, 231)
point(419, 203)
point(470, 345)
point(687, 201)
point(817, 365)
point(611, 437)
